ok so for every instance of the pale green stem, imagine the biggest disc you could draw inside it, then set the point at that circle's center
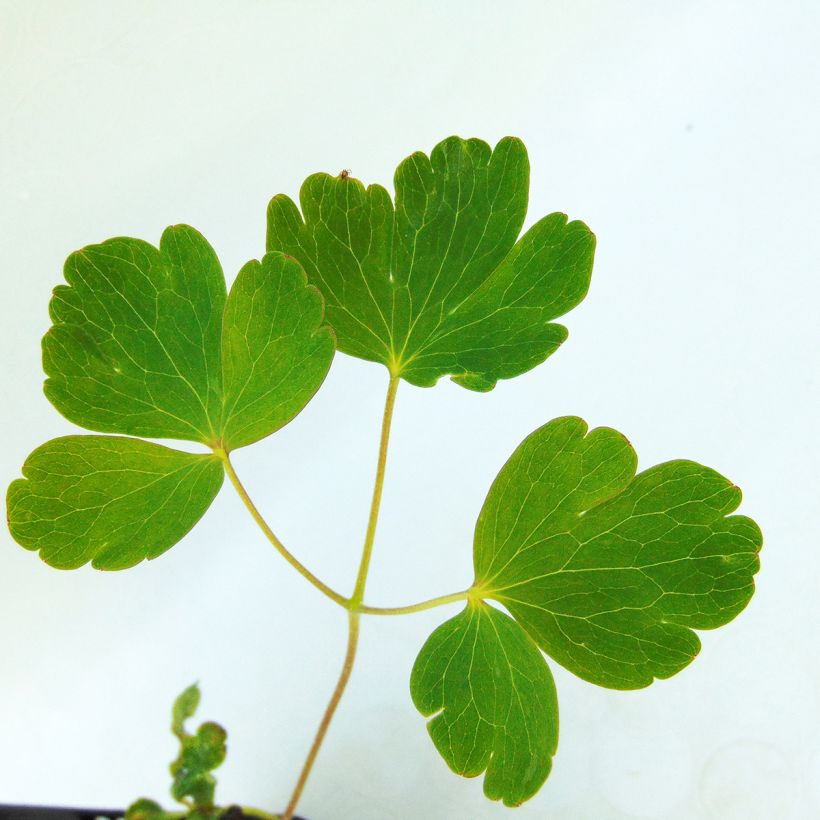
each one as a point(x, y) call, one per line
point(280, 547)
point(334, 596)
point(344, 677)
point(355, 601)
point(410, 608)
point(375, 504)
point(354, 604)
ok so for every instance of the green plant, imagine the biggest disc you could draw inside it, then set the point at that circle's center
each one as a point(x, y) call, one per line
point(193, 784)
point(606, 570)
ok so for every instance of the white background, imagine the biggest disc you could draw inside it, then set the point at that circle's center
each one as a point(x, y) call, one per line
point(684, 133)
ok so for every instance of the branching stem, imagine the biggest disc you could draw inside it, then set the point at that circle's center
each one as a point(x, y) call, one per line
point(354, 604)
point(345, 603)
point(355, 601)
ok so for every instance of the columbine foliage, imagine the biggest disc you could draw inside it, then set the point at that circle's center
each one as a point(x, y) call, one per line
point(145, 343)
point(439, 283)
point(605, 569)
point(110, 500)
point(494, 702)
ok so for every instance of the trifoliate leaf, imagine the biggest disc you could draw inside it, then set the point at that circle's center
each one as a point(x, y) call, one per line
point(145, 342)
point(437, 285)
point(609, 572)
point(492, 699)
point(110, 500)
point(276, 352)
point(137, 342)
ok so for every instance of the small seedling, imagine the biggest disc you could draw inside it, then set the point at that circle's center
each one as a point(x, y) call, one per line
point(193, 785)
point(577, 555)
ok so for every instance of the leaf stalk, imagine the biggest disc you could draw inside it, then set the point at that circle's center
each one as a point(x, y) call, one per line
point(420, 607)
point(280, 547)
point(375, 504)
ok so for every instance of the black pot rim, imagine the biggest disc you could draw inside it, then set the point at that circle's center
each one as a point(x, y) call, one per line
point(28, 811)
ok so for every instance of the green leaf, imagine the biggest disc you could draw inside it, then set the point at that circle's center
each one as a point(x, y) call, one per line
point(185, 707)
point(139, 345)
point(438, 285)
point(207, 749)
point(276, 352)
point(109, 500)
point(493, 702)
point(135, 346)
point(144, 342)
point(145, 809)
point(199, 755)
point(609, 572)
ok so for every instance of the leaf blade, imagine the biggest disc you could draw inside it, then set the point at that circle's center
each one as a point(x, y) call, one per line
point(108, 500)
point(276, 351)
point(609, 571)
point(505, 327)
point(185, 706)
point(345, 237)
point(135, 343)
point(491, 700)
point(437, 285)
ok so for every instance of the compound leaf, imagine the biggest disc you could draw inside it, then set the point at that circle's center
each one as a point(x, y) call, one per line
point(438, 285)
point(109, 500)
point(492, 699)
point(135, 344)
point(145, 342)
point(608, 571)
point(276, 351)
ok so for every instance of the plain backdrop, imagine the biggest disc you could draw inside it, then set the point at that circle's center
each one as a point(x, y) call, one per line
point(684, 133)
